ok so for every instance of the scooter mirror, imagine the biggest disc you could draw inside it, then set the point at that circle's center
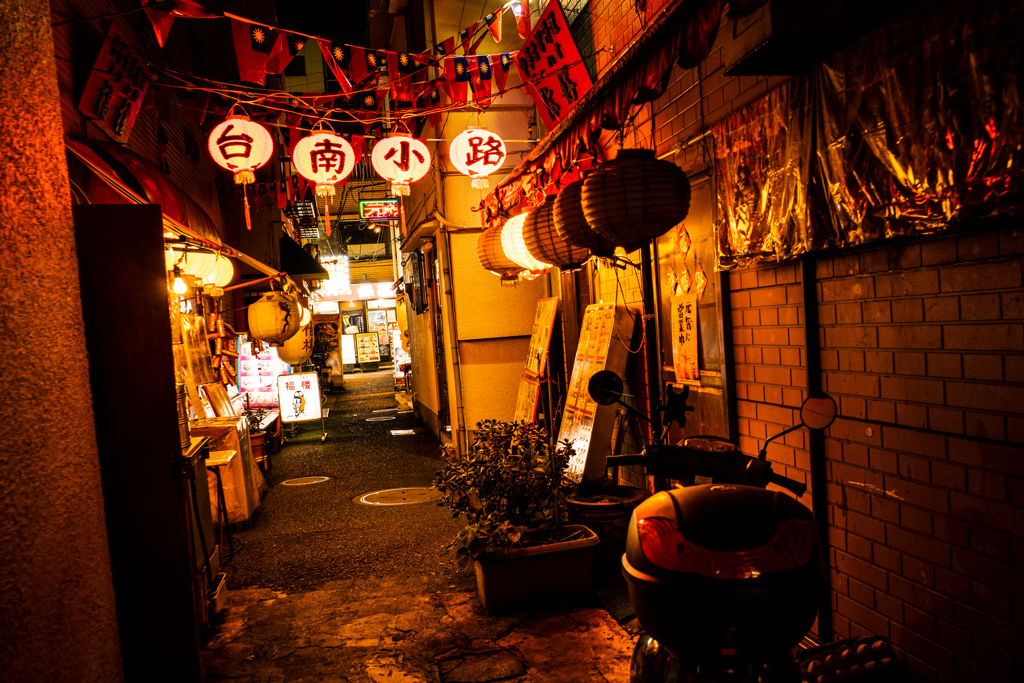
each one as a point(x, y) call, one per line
point(818, 412)
point(605, 387)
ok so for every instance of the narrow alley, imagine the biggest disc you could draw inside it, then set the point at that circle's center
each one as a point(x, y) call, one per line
point(325, 589)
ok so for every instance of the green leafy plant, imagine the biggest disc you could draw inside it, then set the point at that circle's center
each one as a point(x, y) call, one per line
point(509, 485)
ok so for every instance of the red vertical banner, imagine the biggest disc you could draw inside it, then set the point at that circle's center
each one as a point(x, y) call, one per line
point(116, 86)
point(551, 67)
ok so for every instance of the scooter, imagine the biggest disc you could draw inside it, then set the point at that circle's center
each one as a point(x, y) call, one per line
point(724, 575)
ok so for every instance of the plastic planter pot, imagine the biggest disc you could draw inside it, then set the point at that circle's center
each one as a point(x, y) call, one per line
point(534, 575)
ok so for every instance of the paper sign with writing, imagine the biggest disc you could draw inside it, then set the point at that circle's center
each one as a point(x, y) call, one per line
point(113, 93)
point(300, 397)
point(550, 66)
point(536, 360)
point(684, 338)
point(367, 348)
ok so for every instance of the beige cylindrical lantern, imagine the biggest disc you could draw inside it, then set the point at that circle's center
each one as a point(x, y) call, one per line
point(492, 257)
point(220, 273)
point(545, 244)
point(274, 318)
point(572, 225)
point(514, 246)
point(635, 197)
point(298, 348)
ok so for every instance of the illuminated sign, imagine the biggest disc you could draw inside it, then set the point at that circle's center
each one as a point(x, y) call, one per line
point(300, 396)
point(379, 209)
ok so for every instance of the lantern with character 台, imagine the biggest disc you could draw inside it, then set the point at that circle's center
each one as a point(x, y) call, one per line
point(325, 159)
point(241, 146)
point(402, 160)
point(477, 152)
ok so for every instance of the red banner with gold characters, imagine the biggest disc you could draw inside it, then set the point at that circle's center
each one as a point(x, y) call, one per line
point(551, 67)
point(113, 94)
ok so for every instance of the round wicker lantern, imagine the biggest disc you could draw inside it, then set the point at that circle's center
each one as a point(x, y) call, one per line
point(492, 256)
point(274, 318)
point(635, 197)
point(545, 244)
point(572, 226)
point(298, 348)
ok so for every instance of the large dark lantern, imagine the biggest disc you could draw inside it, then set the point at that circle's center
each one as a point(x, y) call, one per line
point(545, 244)
point(492, 256)
point(635, 197)
point(571, 224)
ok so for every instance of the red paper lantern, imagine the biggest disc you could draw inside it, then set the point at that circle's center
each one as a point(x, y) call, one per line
point(572, 225)
point(635, 197)
point(544, 242)
point(402, 160)
point(477, 152)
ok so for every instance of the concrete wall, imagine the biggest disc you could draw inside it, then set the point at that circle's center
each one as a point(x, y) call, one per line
point(56, 594)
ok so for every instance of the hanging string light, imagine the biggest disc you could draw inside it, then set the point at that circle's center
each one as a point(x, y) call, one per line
point(241, 146)
point(325, 159)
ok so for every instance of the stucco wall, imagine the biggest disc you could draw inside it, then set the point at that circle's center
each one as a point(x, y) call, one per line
point(56, 595)
point(490, 377)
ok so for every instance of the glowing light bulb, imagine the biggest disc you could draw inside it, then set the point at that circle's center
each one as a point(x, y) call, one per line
point(179, 285)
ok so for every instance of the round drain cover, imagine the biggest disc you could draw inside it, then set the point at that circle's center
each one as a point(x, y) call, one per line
point(302, 481)
point(382, 418)
point(387, 410)
point(406, 496)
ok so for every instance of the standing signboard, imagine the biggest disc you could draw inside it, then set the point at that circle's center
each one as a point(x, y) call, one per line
point(300, 397)
point(604, 345)
point(536, 360)
point(367, 348)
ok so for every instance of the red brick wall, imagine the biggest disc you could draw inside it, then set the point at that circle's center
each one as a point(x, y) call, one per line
point(922, 346)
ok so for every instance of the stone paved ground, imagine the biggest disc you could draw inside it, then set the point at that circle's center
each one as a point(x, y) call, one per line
point(326, 590)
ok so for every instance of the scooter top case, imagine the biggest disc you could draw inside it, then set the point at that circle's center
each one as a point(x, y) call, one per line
point(723, 570)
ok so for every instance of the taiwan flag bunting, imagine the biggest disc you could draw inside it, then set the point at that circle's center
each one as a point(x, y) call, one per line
point(521, 8)
point(338, 57)
point(434, 102)
point(282, 193)
point(476, 43)
point(193, 105)
point(501, 70)
point(480, 75)
point(456, 72)
point(465, 35)
point(364, 62)
point(163, 18)
point(252, 45)
point(494, 24)
point(369, 108)
point(357, 142)
point(445, 47)
point(400, 69)
point(287, 46)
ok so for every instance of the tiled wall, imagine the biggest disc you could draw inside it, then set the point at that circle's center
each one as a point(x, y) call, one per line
point(922, 346)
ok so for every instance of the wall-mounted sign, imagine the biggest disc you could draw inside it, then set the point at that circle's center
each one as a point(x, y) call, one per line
point(684, 337)
point(380, 303)
point(300, 397)
point(381, 209)
point(116, 86)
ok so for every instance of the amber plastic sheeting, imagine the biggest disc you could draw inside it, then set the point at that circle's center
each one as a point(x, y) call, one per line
point(920, 125)
point(762, 161)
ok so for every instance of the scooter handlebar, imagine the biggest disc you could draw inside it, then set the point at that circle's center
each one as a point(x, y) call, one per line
point(796, 487)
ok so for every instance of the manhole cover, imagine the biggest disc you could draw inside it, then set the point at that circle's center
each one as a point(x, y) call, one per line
point(381, 418)
point(302, 481)
point(402, 432)
point(387, 410)
point(406, 496)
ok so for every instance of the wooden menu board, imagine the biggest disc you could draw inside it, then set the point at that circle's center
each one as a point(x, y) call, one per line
point(604, 345)
point(536, 360)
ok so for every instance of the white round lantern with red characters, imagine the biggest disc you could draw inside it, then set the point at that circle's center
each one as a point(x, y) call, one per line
point(241, 146)
point(402, 160)
point(477, 152)
point(325, 159)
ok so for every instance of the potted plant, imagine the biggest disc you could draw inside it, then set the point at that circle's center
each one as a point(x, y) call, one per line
point(511, 487)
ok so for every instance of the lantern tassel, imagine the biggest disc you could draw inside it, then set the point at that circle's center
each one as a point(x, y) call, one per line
point(327, 218)
point(248, 219)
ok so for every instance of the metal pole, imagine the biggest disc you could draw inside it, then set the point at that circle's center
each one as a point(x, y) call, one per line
point(651, 341)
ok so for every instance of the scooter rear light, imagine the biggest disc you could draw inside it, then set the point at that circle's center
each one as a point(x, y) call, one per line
point(664, 545)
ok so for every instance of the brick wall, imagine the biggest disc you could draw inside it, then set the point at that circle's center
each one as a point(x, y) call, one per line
point(922, 346)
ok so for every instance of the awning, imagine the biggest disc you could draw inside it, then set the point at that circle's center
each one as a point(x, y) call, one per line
point(126, 178)
point(683, 30)
point(299, 264)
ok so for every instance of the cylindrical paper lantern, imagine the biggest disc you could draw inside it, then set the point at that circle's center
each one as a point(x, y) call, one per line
point(572, 225)
point(514, 246)
point(220, 273)
point(402, 160)
point(274, 318)
point(477, 152)
point(325, 159)
point(492, 257)
point(545, 244)
point(635, 197)
point(297, 349)
point(241, 146)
